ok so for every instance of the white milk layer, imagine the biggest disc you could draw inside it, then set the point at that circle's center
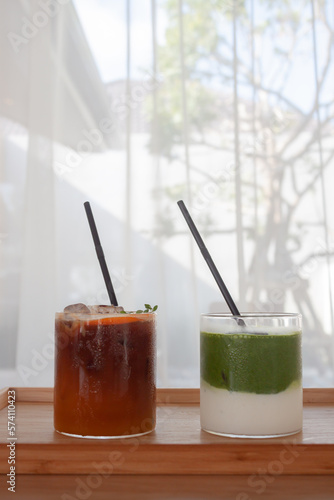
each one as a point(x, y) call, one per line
point(249, 414)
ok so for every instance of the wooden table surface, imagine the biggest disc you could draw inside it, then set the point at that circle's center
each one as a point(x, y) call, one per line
point(177, 460)
point(162, 487)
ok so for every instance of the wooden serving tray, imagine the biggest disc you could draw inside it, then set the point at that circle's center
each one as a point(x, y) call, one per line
point(178, 445)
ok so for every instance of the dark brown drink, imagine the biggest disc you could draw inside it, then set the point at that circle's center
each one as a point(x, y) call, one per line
point(104, 374)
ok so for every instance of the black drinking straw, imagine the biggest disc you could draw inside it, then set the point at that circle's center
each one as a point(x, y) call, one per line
point(100, 254)
point(219, 280)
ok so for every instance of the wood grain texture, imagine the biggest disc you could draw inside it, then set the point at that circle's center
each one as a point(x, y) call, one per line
point(318, 396)
point(34, 394)
point(159, 487)
point(178, 446)
point(177, 396)
point(4, 397)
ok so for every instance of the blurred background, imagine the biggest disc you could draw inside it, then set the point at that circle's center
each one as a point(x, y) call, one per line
point(228, 105)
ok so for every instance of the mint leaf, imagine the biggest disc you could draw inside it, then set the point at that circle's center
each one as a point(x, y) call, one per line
point(148, 309)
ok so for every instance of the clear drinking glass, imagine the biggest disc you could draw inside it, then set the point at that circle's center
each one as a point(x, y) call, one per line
point(251, 375)
point(105, 374)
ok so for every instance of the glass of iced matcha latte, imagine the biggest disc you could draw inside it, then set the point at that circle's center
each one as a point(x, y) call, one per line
point(251, 374)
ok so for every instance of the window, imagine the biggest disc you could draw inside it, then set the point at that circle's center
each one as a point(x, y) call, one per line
point(228, 105)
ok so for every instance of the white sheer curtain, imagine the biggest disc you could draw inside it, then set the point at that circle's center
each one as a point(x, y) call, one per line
point(226, 104)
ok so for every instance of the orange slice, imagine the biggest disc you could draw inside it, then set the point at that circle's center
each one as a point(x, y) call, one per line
point(118, 320)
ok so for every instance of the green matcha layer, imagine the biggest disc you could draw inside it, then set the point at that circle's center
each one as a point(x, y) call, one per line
point(261, 364)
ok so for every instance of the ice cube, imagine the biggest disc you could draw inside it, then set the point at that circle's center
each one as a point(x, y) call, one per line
point(101, 309)
point(77, 309)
